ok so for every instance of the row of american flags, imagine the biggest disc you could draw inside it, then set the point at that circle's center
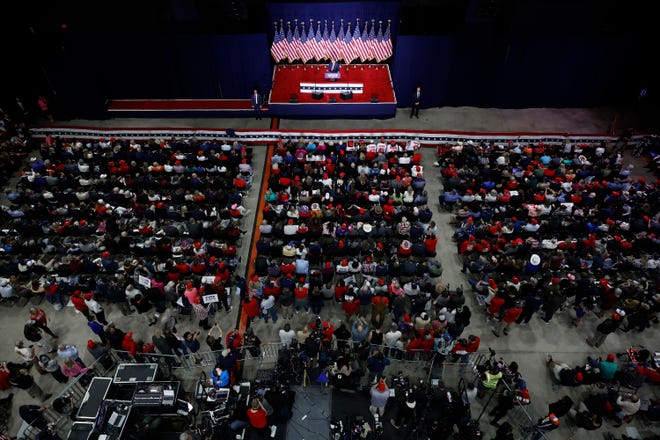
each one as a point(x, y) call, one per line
point(301, 43)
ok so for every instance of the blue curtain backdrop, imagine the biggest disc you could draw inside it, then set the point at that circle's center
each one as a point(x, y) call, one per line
point(523, 71)
point(349, 11)
point(517, 73)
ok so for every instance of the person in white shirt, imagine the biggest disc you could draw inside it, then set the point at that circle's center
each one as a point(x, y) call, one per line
point(392, 337)
point(6, 289)
point(291, 228)
point(131, 292)
point(96, 308)
point(287, 335)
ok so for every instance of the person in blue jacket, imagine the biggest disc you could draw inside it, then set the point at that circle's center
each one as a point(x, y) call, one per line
point(220, 377)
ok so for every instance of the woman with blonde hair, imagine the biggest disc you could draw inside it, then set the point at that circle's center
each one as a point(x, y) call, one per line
point(71, 368)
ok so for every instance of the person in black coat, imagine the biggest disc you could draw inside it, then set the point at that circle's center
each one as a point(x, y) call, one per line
point(257, 102)
point(416, 102)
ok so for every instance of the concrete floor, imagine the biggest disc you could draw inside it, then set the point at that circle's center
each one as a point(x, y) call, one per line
point(526, 345)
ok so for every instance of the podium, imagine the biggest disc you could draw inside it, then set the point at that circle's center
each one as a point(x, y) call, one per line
point(332, 76)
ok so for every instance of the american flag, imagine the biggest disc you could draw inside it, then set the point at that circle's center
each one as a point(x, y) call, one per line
point(295, 43)
point(319, 48)
point(379, 47)
point(339, 44)
point(371, 42)
point(276, 49)
point(387, 40)
point(355, 42)
point(332, 43)
point(327, 50)
point(346, 53)
point(288, 44)
point(363, 44)
point(305, 52)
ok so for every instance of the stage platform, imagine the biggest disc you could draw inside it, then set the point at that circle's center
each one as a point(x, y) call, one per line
point(371, 86)
point(182, 108)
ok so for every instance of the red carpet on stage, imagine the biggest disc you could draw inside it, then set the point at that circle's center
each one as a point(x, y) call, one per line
point(375, 77)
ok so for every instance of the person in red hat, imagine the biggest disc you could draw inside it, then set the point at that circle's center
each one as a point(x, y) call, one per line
point(608, 368)
point(191, 292)
point(79, 304)
point(380, 393)
point(609, 325)
point(95, 308)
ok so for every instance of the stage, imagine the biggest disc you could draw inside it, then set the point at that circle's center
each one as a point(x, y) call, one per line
point(370, 84)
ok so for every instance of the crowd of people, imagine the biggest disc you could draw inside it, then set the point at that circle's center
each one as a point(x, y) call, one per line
point(151, 227)
point(544, 227)
point(348, 225)
point(154, 226)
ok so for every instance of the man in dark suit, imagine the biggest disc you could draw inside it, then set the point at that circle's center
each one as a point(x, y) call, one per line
point(416, 103)
point(257, 102)
point(333, 66)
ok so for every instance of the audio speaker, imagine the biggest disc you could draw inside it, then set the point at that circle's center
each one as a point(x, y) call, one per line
point(317, 95)
point(346, 95)
point(374, 99)
point(333, 99)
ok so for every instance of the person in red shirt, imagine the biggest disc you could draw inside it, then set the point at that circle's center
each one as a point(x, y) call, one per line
point(495, 306)
point(350, 303)
point(430, 245)
point(38, 315)
point(258, 419)
point(234, 340)
point(379, 309)
point(79, 304)
point(509, 317)
point(301, 295)
point(128, 344)
point(251, 307)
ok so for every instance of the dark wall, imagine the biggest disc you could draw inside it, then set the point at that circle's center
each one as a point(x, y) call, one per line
point(453, 70)
point(88, 69)
point(520, 72)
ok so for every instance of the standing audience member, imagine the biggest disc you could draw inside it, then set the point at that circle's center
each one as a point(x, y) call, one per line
point(380, 393)
point(27, 354)
point(608, 326)
point(416, 102)
point(25, 381)
point(38, 315)
point(51, 366)
point(95, 308)
point(287, 335)
point(65, 351)
point(72, 368)
point(34, 334)
point(79, 304)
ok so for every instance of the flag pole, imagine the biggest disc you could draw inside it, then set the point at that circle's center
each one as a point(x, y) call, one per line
point(380, 32)
point(325, 28)
point(311, 28)
point(288, 24)
point(373, 25)
point(302, 24)
point(357, 24)
point(318, 29)
point(295, 27)
point(341, 54)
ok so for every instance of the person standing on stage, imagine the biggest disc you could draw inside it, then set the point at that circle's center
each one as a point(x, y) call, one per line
point(333, 66)
point(257, 102)
point(416, 103)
